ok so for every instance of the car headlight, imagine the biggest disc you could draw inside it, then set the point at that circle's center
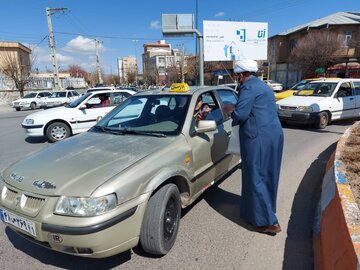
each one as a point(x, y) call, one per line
point(2, 184)
point(305, 109)
point(29, 121)
point(85, 207)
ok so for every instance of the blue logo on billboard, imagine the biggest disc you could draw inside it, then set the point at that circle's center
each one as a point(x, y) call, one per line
point(242, 34)
point(261, 33)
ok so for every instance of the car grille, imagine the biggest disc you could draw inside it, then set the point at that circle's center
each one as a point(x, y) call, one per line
point(22, 203)
point(16, 103)
point(289, 108)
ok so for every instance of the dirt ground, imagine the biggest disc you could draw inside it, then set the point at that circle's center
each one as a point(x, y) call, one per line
point(351, 158)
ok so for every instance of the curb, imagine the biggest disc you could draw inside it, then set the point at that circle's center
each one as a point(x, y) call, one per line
point(337, 226)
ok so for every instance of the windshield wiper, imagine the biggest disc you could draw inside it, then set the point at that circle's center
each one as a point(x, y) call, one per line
point(108, 130)
point(137, 132)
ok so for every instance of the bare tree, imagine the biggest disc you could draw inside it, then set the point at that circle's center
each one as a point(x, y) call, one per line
point(16, 69)
point(317, 49)
point(77, 71)
point(131, 77)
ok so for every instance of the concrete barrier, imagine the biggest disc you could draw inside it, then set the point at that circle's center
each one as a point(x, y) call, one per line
point(337, 224)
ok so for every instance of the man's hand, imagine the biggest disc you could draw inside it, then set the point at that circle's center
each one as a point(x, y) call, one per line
point(228, 108)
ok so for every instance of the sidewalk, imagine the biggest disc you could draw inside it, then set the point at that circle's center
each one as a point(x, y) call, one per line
point(4, 107)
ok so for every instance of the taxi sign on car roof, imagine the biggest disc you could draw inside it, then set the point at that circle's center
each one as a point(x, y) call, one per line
point(179, 87)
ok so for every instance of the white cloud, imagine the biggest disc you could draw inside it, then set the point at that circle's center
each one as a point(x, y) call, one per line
point(220, 14)
point(82, 45)
point(155, 25)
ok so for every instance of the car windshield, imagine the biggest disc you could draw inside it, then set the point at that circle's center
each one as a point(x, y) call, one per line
point(58, 94)
point(300, 85)
point(30, 95)
point(77, 102)
point(151, 115)
point(317, 89)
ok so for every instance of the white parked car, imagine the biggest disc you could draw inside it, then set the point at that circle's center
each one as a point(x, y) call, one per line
point(322, 102)
point(274, 85)
point(31, 100)
point(60, 98)
point(78, 116)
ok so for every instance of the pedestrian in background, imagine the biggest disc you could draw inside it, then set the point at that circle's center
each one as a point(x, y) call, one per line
point(261, 147)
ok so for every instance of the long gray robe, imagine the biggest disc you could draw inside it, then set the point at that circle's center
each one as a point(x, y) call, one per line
point(261, 146)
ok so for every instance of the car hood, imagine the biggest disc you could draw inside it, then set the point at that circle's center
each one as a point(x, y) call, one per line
point(78, 165)
point(284, 94)
point(300, 101)
point(49, 112)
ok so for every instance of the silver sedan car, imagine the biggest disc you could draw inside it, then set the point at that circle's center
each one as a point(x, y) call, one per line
point(123, 182)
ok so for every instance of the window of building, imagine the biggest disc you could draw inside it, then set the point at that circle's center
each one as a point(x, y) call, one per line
point(292, 44)
point(347, 38)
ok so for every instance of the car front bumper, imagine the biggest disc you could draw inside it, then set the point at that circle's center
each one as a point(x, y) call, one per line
point(300, 117)
point(99, 240)
point(33, 130)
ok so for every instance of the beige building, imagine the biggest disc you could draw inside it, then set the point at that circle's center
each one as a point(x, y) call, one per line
point(157, 59)
point(345, 24)
point(13, 53)
point(127, 68)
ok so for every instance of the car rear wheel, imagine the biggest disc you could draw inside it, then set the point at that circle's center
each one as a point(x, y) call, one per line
point(322, 120)
point(33, 105)
point(18, 109)
point(57, 131)
point(161, 220)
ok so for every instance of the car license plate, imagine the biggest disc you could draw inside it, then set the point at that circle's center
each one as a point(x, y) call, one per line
point(285, 113)
point(19, 222)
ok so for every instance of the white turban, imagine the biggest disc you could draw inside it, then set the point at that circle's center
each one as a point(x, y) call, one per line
point(245, 65)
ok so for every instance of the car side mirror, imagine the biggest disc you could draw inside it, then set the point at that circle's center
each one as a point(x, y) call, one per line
point(82, 107)
point(205, 126)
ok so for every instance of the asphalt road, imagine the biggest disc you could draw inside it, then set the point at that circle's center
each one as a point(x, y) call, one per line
point(211, 236)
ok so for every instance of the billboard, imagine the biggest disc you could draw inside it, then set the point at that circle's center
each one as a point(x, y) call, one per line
point(226, 40)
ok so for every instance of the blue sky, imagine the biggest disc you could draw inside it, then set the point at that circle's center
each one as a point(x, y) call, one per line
point(124, 26)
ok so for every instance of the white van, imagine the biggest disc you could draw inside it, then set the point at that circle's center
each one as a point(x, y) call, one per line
point(323, 102)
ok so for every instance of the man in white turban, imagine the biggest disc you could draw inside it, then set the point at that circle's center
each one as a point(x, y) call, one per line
point(261, 146)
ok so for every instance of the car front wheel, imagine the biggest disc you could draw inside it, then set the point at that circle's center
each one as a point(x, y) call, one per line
point(57, 131)
point(322, 120)
point(161, 220)
point(33, 105)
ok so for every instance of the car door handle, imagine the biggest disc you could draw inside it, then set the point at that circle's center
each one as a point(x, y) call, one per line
point(352, 98)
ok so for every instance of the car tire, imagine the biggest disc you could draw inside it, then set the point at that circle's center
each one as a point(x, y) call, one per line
point(57, 131)
point(161, 221)
point(322, 120)
point(33, 105)
point(18, 109)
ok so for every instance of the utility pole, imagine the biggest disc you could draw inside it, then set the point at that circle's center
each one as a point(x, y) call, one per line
point(49, 12)
point(136, 62)
point(97, 42)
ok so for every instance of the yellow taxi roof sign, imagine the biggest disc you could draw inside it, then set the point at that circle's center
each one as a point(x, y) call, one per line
point(179, 87)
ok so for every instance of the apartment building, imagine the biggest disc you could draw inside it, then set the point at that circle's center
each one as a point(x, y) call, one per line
point(157, 59)
point(17, 54)
point(127, 69)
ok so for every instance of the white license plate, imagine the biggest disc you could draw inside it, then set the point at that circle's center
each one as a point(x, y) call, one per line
point(19, 222)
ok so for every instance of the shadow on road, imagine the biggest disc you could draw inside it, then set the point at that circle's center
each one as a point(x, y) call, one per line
point(298, 253)
point(35, 140)
point(49, 257)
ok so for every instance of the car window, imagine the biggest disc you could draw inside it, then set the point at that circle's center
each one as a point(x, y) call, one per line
point(357, 88)
point(120, 97)
point(227, 97)
point(163, 114)
point(30, 95)
point(75, 94)
point(345, 90)
point(317, 89)
point(209, 100)
point(69, 94)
